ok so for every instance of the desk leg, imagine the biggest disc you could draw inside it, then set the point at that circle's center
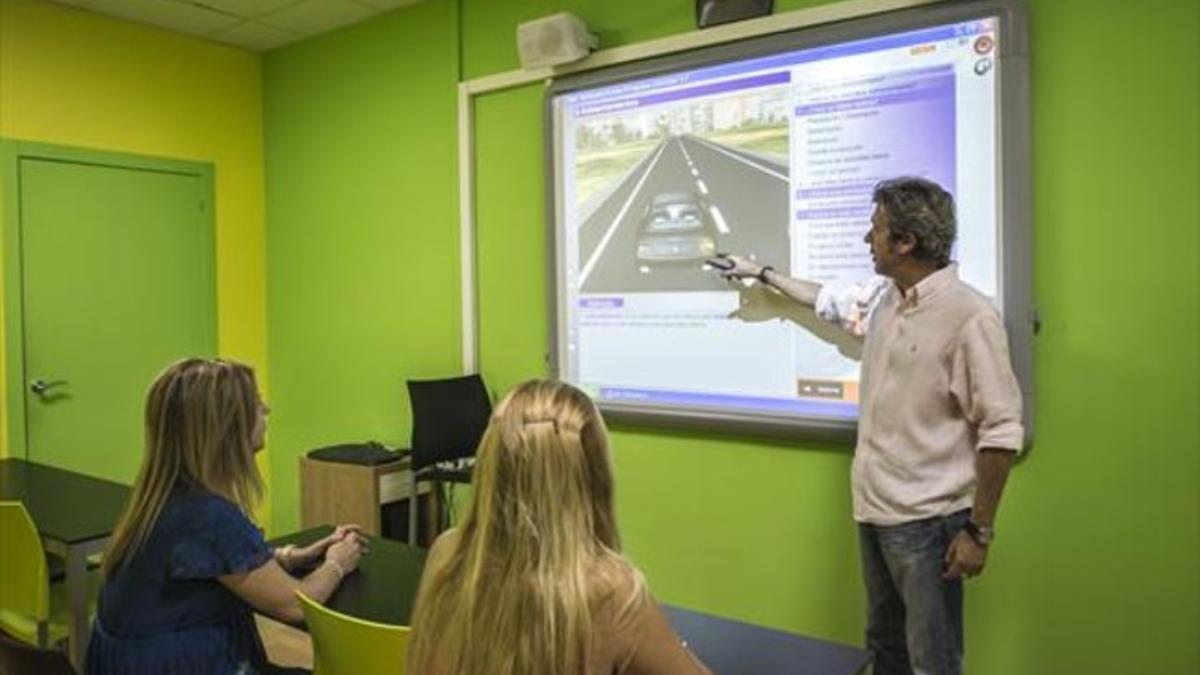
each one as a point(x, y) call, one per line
point(414, 501)
point(77, 598)
point(79, 628)
point(433, 512)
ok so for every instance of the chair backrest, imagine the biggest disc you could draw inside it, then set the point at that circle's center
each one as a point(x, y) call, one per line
point(344, 645)
point(17, 658)
point(24, 581)
point(449, 417)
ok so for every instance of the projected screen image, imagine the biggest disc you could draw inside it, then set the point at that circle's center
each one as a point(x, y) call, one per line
point(773, 158)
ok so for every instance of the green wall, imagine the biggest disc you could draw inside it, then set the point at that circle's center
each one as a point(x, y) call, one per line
point(362, 232)
point(1096, 566)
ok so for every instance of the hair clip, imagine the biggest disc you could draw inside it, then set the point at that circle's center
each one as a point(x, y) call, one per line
point(537, 423)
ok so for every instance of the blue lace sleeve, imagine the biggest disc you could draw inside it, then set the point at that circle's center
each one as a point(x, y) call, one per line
point(215, 538)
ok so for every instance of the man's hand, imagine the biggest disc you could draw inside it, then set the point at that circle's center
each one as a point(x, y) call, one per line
point(735, 267)
point(965, 558)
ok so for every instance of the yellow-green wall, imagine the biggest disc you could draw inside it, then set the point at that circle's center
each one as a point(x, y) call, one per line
point(1095, 569)
point(76, 78)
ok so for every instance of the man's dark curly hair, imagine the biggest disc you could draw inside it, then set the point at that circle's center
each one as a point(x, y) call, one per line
point(923, 209)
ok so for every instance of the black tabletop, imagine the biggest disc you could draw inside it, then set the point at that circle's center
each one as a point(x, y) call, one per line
point(734, 648)
point(385, 586)
point(65, 506)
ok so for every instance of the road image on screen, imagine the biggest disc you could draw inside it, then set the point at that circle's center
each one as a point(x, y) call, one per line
point(774, 158)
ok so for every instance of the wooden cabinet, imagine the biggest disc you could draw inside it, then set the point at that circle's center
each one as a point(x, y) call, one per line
point(376, 497)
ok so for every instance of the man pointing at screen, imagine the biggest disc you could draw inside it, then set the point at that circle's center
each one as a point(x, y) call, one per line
point(939, 424)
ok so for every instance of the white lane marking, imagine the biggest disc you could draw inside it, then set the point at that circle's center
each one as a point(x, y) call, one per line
point(685, 153)
point(720, 220)
point(612, 229)
point(695, 173)
point(743, 160)
point(702, 186)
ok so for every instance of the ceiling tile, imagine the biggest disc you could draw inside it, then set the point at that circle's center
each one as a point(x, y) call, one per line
point(245, 8)
point(176, 16)
point(310, 17)
point(255, 36)
point(387, 4)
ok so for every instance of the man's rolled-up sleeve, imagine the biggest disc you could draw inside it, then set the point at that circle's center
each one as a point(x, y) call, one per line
point(985, 386)
point(850, 305)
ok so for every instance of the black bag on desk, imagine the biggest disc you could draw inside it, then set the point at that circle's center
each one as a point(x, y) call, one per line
point(369, 454)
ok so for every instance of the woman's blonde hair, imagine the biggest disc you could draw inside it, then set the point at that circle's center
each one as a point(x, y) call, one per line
point(518, 591)
point(200, 417)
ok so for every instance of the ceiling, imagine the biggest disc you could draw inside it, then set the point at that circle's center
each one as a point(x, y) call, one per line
point(257, 25)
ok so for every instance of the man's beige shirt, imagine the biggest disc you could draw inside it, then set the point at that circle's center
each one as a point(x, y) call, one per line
point(937, 386)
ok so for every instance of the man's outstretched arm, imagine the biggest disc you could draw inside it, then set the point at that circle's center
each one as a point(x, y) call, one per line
point(737, 267)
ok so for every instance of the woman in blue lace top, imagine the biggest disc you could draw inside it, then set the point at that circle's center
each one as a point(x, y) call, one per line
point(186, 566)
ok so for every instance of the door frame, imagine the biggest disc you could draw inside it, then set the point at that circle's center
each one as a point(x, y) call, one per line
point(12, 151)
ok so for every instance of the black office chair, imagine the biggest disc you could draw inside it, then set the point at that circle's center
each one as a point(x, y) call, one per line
point(449, 417)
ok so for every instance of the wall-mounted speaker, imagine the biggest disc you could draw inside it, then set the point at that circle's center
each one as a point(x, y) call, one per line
point(715, 12)
point(553, 40)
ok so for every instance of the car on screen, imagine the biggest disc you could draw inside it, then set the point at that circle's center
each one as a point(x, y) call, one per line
point(676, 227)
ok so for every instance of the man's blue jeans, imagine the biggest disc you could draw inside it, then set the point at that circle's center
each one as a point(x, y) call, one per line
point(914, 618)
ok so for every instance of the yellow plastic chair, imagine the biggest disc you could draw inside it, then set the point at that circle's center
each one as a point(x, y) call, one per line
point(344, 645)
point(27, 609)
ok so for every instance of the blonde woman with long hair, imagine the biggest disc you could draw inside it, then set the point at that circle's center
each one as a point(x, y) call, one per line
point(533, 582)
point(186, 565)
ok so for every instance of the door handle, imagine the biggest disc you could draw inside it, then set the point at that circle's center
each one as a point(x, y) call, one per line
point(40, 386)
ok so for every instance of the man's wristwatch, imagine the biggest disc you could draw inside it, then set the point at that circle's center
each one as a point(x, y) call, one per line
point(982, 534)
